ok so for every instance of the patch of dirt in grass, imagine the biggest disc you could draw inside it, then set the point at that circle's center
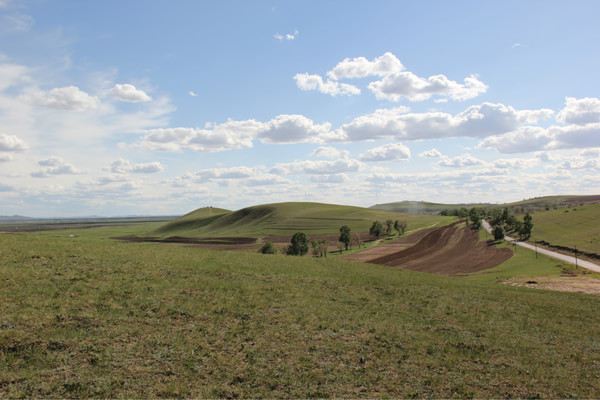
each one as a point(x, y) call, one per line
point(449, 250)
point(576, 283)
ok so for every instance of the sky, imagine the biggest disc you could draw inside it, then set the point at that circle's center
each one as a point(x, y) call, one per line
point(145, 107)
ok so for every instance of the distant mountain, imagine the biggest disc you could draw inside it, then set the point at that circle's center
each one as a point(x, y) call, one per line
point(14, 218)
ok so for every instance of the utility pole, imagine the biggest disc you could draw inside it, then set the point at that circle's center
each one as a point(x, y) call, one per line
point(575, 257)
point(535, 243)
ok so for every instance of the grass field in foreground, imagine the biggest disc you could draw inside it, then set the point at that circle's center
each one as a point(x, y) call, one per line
point(105, 319)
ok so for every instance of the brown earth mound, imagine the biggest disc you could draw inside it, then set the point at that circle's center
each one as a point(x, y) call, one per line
point(449, 250)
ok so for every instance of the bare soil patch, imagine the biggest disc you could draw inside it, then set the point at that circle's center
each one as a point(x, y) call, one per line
point(565, 283)
point(449, 250)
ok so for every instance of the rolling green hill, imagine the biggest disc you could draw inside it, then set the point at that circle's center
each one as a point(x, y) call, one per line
point(286, 219)
point(569, 227)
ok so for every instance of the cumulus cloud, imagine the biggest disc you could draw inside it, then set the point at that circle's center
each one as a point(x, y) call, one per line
point(330, 152)
point(69, 98)
point(523, 140)
point(482, 120)
point(360, 67)
point(592, 164)
point(129, 93)
point(234, 134)
point(292, 129)
point(516, 163)
point(55, 166)
point(465, 160)
point(396, 83)
point(332, 178)
point(317, 167)
point(590, 153)
point(388, 152)
point(433, 153)
point(224, 173)
point(306, 81)
point(11, 143)
point(122, 166)
point(226, 136)
point(580, 111)
point(575, 136)
point(407, 85)
point(5, 157)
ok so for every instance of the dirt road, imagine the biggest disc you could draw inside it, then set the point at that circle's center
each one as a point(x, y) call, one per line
point(559, 256)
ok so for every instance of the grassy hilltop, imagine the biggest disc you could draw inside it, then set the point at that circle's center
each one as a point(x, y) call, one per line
point(286, 219)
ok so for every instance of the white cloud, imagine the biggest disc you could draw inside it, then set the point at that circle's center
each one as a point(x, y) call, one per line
point(405, 84)
point(522, 140)
point(332, 178)
point(318, 167)
point(315, 82)
point(287, 36)
point(330, 152)
point(5, 157)
point(580, 111)
point(590, 153)
point(226, 136)
point(69, 98)
point(224, 173)
point(482, 120)
point(465, 160)
point(388, 152)
point(129, 93)
point(575, 136)
point(292, 129)
point(516, 163)
point(592, 164)
point(11, 143)
point(122, 166)
point(192, 93)
point(12, 74)
point(433, 153)
point(55, 166)
point(360, 67)
point(545, 157)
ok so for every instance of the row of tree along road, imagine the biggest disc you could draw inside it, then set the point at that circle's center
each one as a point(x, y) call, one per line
point(300, 243)
point(502, 221)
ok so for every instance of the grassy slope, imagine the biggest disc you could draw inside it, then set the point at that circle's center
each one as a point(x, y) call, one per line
point(577, 226)
point(288, 218)
point(107, 319)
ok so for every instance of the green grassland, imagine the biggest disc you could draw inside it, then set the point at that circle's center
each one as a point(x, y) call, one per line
point(569, 227)
point(287, 219)
point(83, 318)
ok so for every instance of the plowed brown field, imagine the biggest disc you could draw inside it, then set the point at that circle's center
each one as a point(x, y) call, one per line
point(449, 250)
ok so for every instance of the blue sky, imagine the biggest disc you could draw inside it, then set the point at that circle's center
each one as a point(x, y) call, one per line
point(153, 107)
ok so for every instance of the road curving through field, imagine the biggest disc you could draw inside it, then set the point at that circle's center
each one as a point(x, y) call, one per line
point(559, 256)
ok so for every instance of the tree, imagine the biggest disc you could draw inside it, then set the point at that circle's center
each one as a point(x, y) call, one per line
point(268, 248)
point(376, 229)
point(527, 226)
point(475, 218)
point(498, 232)
point(345, 236)
point(400, 226)
point(388, 226)
point(299, 245)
